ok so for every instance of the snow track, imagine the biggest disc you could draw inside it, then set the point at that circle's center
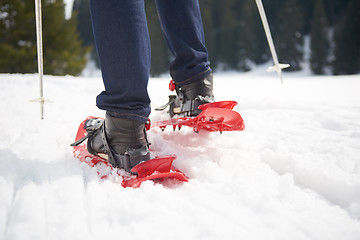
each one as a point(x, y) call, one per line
point(294, 173)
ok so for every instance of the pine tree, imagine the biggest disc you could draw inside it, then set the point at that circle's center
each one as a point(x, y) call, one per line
point(347, 41)
point(252, 43)
point(17, 41)
point(319, 40)
point(229, 35)
point(288, 34)
point(81, 11)
point(307, 7)
point(63, 53)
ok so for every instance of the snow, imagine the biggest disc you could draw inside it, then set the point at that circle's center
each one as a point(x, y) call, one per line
point(68, 8)
point(294, 173)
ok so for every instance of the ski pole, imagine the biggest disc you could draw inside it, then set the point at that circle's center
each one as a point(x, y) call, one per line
point(41, 99)
point(277, 67)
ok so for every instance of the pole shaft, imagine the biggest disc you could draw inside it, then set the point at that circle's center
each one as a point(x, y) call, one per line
point(267, 31)
point(39, 52)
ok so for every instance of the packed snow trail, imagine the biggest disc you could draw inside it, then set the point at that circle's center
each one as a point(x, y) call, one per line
point(294, 173)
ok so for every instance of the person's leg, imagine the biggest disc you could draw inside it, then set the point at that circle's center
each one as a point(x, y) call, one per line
point(183, 31)
point(123, 45)
point(182, 28)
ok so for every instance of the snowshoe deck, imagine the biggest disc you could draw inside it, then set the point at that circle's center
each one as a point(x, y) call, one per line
point(216, 116)
point(158, 168)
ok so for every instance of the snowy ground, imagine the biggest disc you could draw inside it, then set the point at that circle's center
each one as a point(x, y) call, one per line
point(294, 173)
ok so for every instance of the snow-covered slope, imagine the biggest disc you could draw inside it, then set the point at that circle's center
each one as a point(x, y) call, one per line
point(294, 173)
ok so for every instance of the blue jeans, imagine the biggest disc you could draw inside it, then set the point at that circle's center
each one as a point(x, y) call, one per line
point(123, 45)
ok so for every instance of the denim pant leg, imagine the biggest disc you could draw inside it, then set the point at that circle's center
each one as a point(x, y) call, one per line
point(183, 31)
point(123, 45)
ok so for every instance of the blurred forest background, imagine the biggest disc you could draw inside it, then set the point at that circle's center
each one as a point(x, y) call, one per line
point(322, 33)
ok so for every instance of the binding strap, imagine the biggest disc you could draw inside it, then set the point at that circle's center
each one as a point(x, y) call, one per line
point(132, 157)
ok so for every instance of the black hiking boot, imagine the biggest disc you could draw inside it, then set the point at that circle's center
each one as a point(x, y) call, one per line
point(122, 140)
point(189, 97)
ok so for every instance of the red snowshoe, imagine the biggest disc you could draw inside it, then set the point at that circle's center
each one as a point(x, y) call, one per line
point(194, 106)
point(157, 169)
point(216, 116)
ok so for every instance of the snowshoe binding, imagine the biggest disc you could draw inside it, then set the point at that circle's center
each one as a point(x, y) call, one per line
point(108, 155)
point(121, 141)
point(194, 106)
point(189, 97)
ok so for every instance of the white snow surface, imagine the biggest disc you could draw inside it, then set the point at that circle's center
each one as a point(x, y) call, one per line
point(294, 173)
